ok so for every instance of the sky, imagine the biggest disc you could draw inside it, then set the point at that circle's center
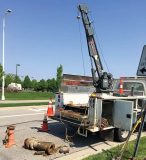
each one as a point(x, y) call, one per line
point(42, 34)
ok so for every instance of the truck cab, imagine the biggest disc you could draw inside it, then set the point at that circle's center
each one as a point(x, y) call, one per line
point(135, 86)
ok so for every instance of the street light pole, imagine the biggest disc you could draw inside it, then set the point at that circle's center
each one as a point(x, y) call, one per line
point(16, 71)
point(3, 77)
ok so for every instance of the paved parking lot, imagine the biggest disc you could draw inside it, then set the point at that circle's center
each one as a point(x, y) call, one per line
point(27, 121)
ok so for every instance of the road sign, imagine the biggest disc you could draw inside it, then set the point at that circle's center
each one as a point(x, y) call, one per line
point(141, 71)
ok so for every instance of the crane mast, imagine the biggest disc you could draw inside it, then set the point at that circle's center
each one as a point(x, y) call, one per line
point(104, 81)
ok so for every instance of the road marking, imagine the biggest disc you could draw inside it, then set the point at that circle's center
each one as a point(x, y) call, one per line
point(37, 109)
point(22, 107)
point(20, 115)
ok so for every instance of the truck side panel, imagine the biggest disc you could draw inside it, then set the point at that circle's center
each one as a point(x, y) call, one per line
point(123, 114)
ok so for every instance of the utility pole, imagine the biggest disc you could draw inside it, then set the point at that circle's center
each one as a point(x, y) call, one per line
point(17, 65)
point(3, 77)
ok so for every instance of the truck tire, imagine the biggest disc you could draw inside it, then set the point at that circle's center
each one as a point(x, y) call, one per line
point(120, 135)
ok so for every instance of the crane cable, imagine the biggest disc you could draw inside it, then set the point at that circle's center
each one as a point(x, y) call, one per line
point(81, 44)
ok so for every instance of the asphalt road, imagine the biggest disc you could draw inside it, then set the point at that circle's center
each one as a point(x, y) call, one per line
point(22, 101)
point(27, 121)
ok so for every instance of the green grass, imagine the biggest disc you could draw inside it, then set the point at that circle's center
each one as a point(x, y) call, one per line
point(23, 104)
point(28, 95)
point(115, 152)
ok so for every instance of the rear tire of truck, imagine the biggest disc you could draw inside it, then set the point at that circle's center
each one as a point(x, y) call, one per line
point(120, 135)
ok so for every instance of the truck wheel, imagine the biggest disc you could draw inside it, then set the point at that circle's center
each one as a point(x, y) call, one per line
point(120, 135)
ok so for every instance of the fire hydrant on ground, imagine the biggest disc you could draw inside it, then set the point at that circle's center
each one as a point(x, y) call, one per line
point(9, 138)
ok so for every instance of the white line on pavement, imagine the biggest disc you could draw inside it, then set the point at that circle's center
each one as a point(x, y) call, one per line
point(20, 115)
point(37, 109)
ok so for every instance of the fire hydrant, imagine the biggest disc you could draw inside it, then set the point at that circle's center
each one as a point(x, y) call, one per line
point(9, 138)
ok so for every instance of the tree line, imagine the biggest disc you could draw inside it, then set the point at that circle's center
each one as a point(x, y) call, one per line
point(49, 85)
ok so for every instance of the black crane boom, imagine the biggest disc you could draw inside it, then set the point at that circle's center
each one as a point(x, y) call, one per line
point(104, 81)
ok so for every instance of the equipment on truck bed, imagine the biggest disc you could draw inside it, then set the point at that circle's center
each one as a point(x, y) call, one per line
point(74, 90)
point(104, 81)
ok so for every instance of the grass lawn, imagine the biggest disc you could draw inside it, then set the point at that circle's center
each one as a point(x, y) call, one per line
point(28, 95)
point(115, 152)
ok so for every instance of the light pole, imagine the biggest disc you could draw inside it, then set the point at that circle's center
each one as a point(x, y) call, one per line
point(3, 77)
point(17, 65)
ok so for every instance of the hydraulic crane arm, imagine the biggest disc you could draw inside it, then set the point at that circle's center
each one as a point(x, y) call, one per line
point(104, 81)
point(93, 52)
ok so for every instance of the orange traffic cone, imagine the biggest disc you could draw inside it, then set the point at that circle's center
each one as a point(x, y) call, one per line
point(44, 125)
point(10, 136)
point(50, 112)
point(121, 86)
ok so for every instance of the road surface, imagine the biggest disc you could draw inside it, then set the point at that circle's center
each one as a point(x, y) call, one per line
point(22, 101)
point(27, 121)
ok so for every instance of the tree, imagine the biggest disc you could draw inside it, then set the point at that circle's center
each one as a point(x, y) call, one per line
point(52, 85)
point(17, 79)
point(42, 85)
point(9, 78)
point(1, 71)
point(34, 84)
point(26, 83)
point(59, 76)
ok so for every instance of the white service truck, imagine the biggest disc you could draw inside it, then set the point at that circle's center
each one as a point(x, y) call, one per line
point(114, 113)
point(93, 106)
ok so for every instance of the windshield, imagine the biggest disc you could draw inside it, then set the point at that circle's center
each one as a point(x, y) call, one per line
point(127, 86)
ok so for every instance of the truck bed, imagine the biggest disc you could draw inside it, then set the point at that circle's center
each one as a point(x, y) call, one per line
point(75, 115)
